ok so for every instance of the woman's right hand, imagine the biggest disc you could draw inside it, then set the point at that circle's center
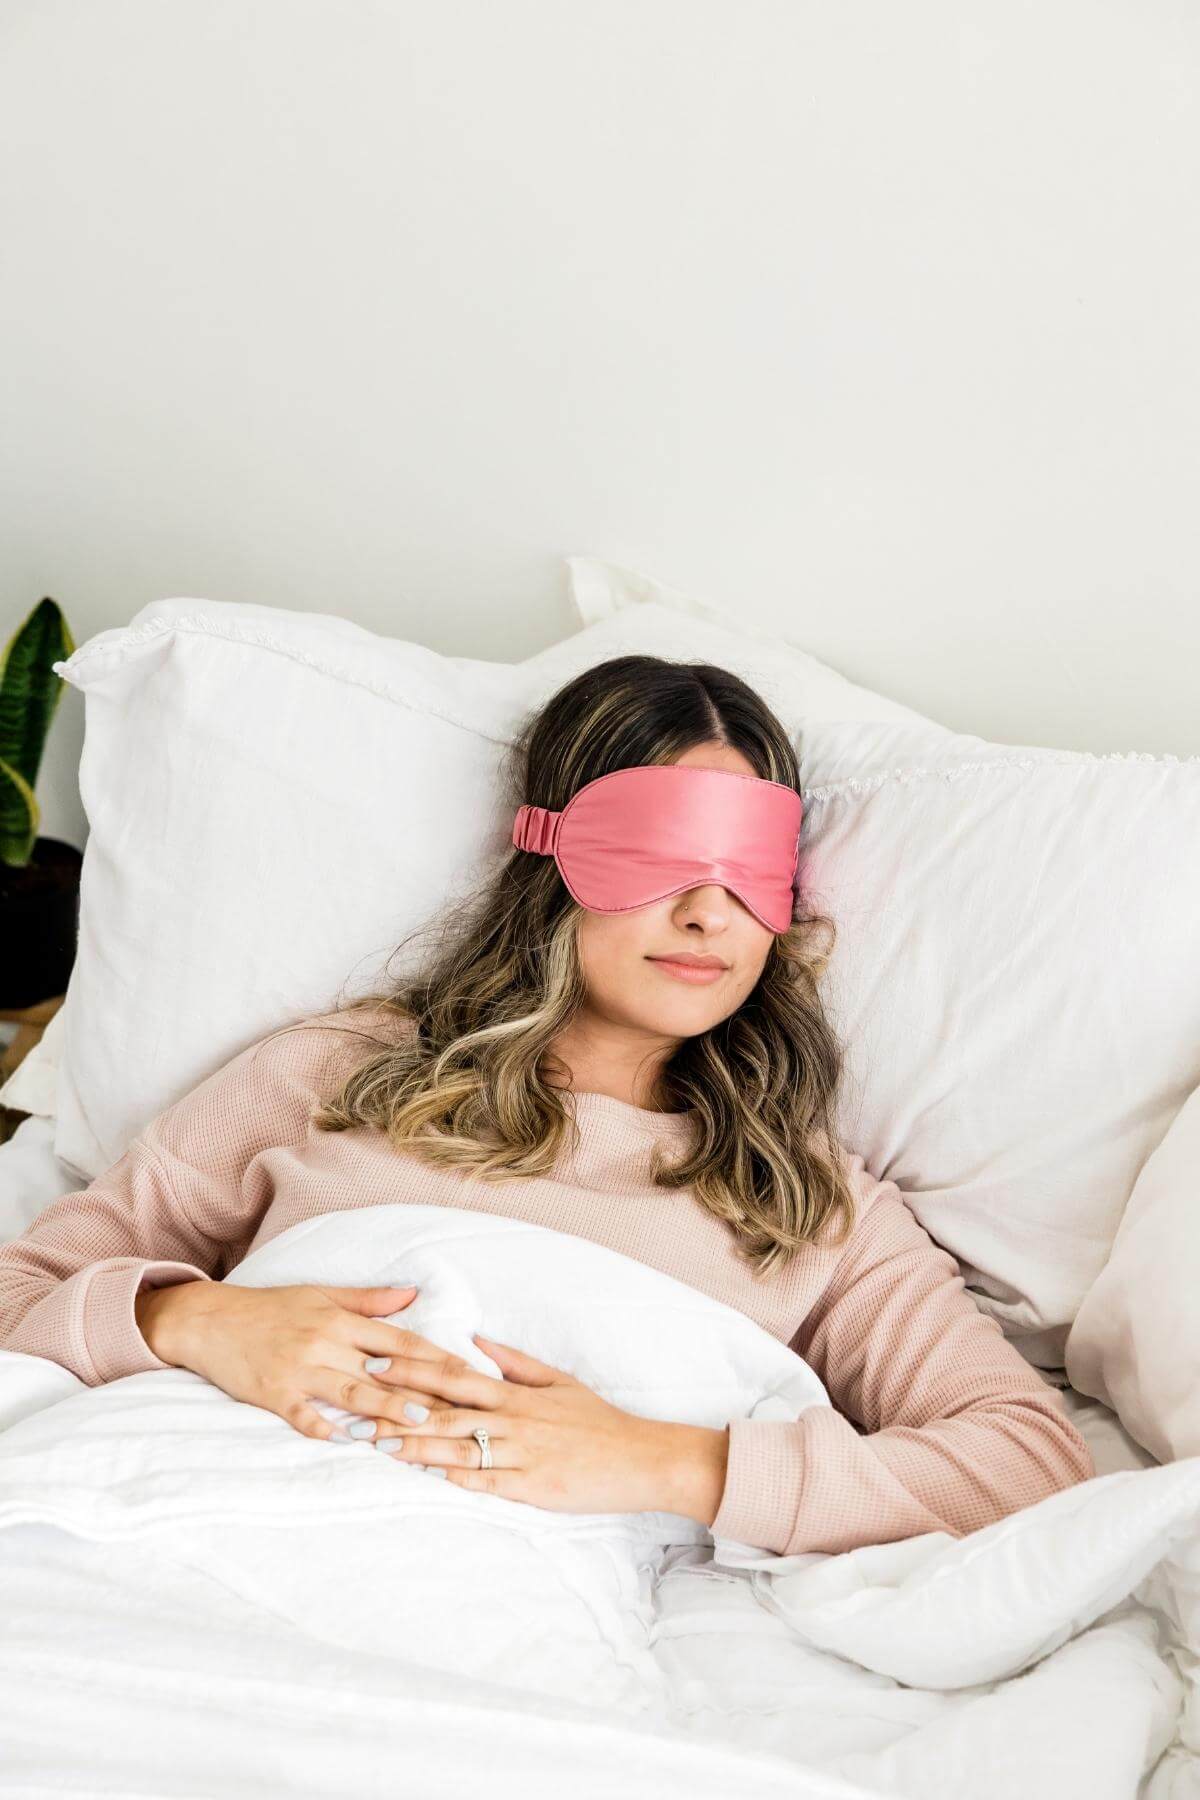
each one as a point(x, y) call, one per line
point(282, 1347)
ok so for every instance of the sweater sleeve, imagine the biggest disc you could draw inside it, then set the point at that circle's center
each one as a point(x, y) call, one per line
point(937, 1424)
point(181, 1204)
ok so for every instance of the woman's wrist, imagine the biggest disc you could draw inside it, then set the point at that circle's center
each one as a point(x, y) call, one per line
point(690, 1468)
point(161, 1314)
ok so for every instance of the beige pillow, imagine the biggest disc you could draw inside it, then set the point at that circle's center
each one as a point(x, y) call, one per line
point(1135, 1343)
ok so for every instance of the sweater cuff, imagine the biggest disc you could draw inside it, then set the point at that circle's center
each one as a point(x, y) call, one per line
point(110, 1328)
point(764, 1478)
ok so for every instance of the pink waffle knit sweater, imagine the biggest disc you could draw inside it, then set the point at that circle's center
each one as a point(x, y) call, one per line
point(937, 1423)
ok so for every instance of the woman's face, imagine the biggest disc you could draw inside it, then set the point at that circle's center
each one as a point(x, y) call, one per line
point(625, 956)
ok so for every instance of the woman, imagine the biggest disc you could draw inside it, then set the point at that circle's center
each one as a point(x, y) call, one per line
point(553, 1062)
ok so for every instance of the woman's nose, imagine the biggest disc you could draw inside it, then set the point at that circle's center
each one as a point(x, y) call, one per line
point(711, 900)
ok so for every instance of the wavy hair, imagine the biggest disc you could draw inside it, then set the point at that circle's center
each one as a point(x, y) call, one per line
point(465, 1083)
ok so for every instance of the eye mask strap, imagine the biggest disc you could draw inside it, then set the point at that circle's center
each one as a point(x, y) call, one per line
point(535, 828)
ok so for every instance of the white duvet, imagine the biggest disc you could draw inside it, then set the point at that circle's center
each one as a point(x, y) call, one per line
point(196, 1599)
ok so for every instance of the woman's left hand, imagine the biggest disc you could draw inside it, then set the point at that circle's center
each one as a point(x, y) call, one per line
point(554, 1442)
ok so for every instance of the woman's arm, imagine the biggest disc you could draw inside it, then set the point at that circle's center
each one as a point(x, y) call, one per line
point(67, 1286)
point(961, 1429)
point(180, 1204)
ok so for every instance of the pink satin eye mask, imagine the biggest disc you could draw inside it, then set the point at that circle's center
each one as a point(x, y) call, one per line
point(644, 833)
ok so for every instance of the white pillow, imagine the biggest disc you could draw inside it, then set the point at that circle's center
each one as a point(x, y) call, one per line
point(1135, 1343)
point(1016, 979)
point(1017, 985)
point(275, 800)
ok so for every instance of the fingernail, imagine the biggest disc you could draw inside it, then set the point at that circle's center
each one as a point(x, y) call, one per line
point(375, 1365)
point(440, 1473)
point(402, 1287)
point(414, 1410)
point(389, 1444)
point(360, 1428)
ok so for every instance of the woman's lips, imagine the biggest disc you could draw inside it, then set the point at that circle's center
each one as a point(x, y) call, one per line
point(683, 971)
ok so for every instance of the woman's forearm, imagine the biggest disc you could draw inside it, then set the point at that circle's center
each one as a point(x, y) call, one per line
point(69, 1283)
point(77, 1313)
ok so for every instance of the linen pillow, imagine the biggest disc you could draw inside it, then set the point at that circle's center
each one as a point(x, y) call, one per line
point(1135, 1343)
point(1017, 986)
point(275, 800)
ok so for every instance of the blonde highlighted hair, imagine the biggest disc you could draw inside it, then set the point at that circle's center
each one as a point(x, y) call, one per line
point(463, 1081)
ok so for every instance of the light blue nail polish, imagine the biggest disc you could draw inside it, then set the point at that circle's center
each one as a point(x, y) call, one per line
point(375, 1365)
point(414, 1410)
point(440, 1473)
point(389, 1445)
point(361, 1428)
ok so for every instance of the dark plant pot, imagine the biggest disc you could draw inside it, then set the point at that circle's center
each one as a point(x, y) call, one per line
point(39, 924)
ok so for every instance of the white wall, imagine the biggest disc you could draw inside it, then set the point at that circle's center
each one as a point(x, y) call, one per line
point(874, 322)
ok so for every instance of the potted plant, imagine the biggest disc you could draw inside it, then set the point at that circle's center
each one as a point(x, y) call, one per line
point(39, 876)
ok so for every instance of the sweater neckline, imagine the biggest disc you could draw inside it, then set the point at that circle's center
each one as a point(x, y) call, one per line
point(668, 1123)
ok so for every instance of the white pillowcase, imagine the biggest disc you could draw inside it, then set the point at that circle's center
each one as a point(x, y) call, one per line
point(275, 800)
point(1017, 987)
point(1135, 1344)
point(1016, 979)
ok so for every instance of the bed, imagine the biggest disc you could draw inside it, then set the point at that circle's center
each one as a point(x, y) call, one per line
point(194, 1598)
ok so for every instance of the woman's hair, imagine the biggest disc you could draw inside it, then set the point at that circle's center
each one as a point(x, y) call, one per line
point(467, 1087)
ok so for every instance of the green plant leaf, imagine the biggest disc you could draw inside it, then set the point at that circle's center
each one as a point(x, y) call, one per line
point(29, 688)
point(20, 817)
